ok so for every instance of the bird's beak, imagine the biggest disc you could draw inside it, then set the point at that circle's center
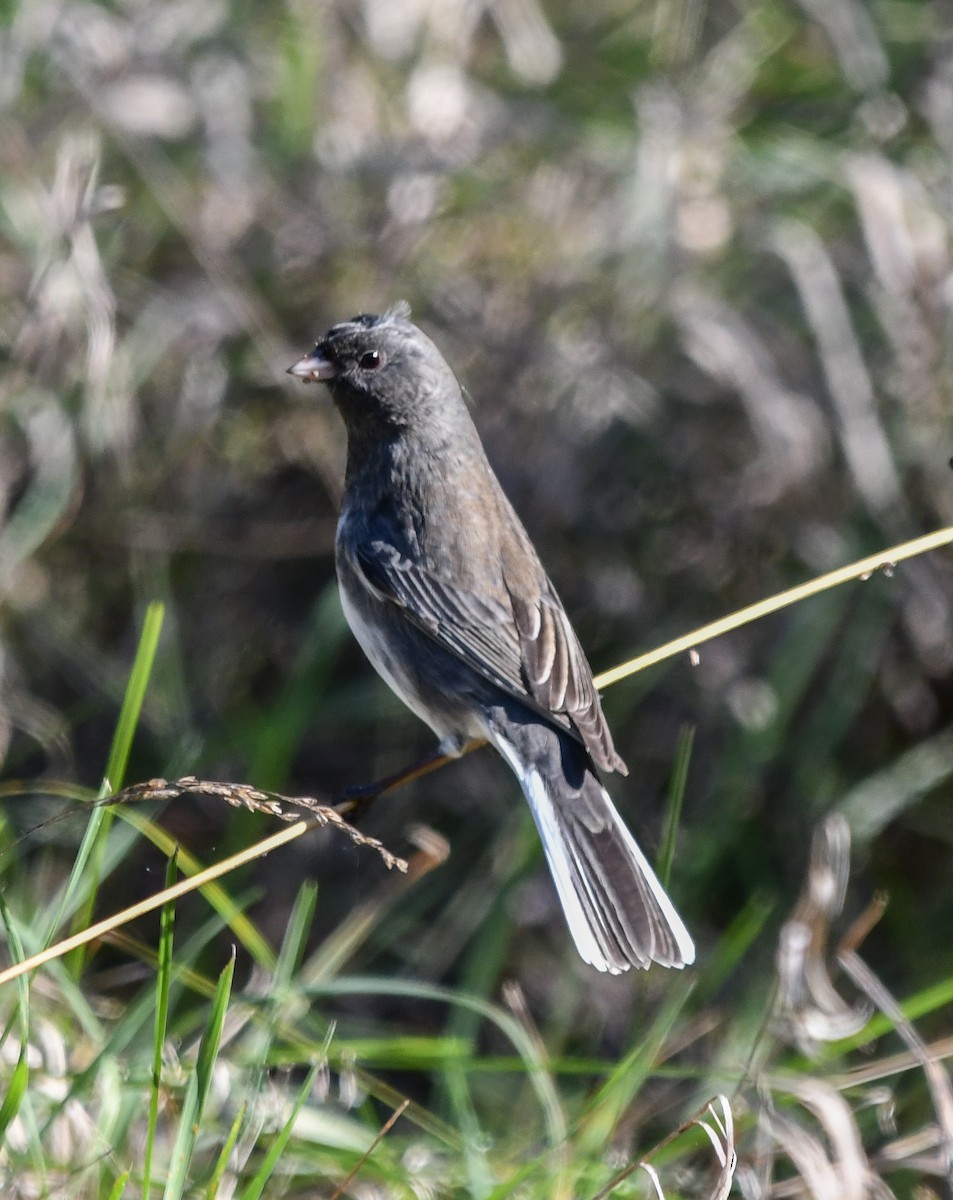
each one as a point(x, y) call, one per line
point(314, 368)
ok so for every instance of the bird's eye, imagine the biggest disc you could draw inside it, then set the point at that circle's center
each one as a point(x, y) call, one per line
point(370, 361)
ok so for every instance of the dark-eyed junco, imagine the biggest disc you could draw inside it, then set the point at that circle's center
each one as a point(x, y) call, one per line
point(444, 591)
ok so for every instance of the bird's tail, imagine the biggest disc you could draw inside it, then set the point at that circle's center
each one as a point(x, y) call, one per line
point(616, 909)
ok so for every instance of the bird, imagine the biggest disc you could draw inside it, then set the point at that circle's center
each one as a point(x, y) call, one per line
point(444, 591)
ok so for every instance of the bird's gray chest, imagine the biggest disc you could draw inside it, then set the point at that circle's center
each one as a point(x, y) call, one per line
point(367, 613)
point(388, 639)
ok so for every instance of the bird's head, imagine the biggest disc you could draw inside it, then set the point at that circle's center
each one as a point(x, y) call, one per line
point(382, 370)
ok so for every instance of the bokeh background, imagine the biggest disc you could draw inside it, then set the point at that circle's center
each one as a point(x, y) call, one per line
point(691, 261)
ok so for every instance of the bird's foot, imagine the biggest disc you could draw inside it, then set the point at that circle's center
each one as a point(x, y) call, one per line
point(355, 801)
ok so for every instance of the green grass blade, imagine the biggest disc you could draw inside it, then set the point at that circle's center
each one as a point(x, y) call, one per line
point(208, 1048)
point(619, 1090)
point(163, 985)
point(120, 1186)
point(296, 934)
point(196, 1093)
point(132, 701)
point(481, 972)
point(286, 1003)
point(222, 1161)
point(90, 848)
point(515, 1181)
point(732, 948)
point(16, 1088)
point(256, 1186)
point(87, 850)
point(888, 793)
point(676, 795)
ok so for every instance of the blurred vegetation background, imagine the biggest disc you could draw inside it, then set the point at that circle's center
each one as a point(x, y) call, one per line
point(690, 259)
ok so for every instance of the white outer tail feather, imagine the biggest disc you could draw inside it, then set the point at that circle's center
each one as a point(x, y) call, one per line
point(557, 857)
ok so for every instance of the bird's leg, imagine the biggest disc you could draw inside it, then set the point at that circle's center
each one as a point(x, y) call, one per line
point(355, 801)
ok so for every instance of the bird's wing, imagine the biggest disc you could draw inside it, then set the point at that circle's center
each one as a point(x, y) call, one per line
point(528, 650)
point(557, 672)
point(477, 630)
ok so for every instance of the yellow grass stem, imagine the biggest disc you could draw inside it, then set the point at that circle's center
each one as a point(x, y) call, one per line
point(861, 569)
point(286, 834)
